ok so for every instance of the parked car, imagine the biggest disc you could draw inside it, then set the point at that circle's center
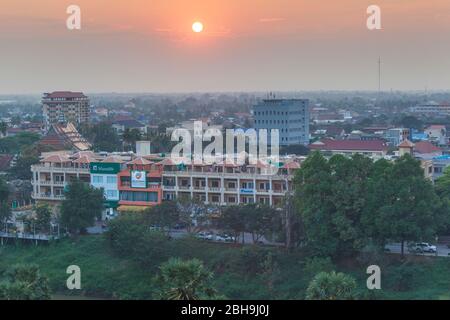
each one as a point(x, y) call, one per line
point(225, 238)
point(205, 236)
point(422, 247)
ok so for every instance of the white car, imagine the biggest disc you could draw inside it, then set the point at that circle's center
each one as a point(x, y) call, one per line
point(205, 236)
point(225, 238)
point(422, 247)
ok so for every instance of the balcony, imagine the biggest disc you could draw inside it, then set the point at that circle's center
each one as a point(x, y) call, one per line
point(43, 168)
point(47, 196)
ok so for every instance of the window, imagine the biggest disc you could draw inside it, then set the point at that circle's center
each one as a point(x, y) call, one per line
point(247, 185)
point(139, 196)
point(111, 180)
point(111, 194)
point(97, 179)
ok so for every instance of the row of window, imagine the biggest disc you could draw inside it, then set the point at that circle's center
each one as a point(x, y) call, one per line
point(139, 196)
point(279, 121)
point(99, 179)
point(277, 113)
point(229, 199)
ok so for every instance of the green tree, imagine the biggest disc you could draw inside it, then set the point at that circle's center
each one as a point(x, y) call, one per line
point(22, 168)
point(410, 122)
point(102, 136)
point(5, 212)
point(232, 221)
point(131, 136)
point(164, 216)
point(25, 282)
point(442, 185)
point(185, 280)
point(5, 208)
point(43, 217)
point(402, 204)
point(3, 128)
point(259, 220)
point(348, 195)
point(314, 202)
point(17, 143)
point(4, 190)
point(331, 286)
point(194, 214)
point(82, 205)
point(130, 236)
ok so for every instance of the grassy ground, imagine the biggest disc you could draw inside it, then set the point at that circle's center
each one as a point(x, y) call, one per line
point(240, 273)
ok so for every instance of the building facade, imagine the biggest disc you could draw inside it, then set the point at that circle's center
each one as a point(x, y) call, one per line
point(65, 107)
point(228, 184)
point(375, 149)
point(432, 108)
point(142, 182)
point(104, 176)
point(289, 116)
point(55, 171)
point(139, 185)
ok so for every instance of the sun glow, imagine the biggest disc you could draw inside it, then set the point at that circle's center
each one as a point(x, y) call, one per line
point(197, 27)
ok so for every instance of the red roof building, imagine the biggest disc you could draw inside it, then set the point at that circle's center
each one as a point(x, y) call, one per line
point(373, 148)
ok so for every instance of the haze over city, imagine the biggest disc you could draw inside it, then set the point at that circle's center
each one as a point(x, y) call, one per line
point(250, 45)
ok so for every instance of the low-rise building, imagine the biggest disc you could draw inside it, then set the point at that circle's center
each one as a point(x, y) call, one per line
point(56, 170)
point(125, 123)
point(375, 149)
point(396, 136)
point(104, 176)
point(227, 183)
point(139, 185)
point(437, 134)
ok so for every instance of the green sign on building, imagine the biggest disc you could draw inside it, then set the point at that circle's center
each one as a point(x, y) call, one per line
point(104, 168)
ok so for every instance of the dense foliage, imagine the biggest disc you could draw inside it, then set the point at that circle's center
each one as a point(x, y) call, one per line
point(81, 206)
point(347, 203)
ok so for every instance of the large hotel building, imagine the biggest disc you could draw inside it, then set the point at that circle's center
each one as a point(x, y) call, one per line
point(65, 107)
point(133, 183)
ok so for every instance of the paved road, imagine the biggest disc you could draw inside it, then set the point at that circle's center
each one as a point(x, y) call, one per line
point(248, 239)
point(442, 250)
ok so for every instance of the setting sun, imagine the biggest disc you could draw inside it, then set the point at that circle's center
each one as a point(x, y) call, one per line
point(197, 27)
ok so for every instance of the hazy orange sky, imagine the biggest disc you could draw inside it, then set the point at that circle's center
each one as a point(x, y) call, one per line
point(247, 45)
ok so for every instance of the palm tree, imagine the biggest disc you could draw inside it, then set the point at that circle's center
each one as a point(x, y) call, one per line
point(25, 283)
point(331, 286)
point(131, 136)
point(185, 280)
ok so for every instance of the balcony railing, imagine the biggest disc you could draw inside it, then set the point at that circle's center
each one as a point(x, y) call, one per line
point(241, 175)
point(40, 167)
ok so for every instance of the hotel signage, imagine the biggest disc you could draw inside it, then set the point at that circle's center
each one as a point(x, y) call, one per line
point(139, 179)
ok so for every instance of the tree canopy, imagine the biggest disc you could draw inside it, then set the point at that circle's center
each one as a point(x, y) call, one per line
point(83, 203)
point(346, 203)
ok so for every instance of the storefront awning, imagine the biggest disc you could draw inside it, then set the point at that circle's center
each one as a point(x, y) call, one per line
point(131, 209)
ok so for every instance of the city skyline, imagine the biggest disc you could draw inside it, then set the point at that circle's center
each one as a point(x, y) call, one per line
point(250, 45)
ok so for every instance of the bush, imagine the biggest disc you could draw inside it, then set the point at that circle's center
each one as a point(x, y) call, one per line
point(318, 264)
